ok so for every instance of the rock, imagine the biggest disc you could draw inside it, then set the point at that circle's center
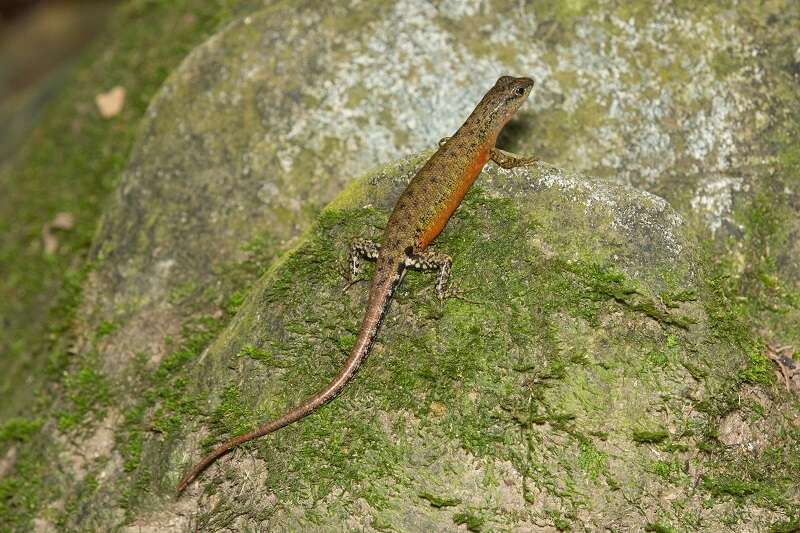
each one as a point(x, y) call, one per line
point(601, 335)
point(520, 399)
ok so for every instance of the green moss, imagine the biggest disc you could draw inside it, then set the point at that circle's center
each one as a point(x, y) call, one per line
point(196, 334)
point(759, 370)
point(762, 293)
point(658, 527)
point(756, 410)
point(473, 521)
point(18, 429)
point(168, 397)
point(724, 64)
point(165, 388)
point(182, 291)
point(787, 526)
point(232, 416)
point(667, 354)
point(235, 300)
point(722, 486)
point(104, 329)
point(673, 299)
point(134, 54)
point(659, 359)
point(132, 451)
point(439, 501)
point(695, 371)
point(605, 282)
point(592, 461)
point(259, 354)
point(669, 447)
point(87, 391)
point(650, 436)
point(560, 521)
point(564, 12)
point(22, 490)
point(765, 476)
point(667, 470)
point(661, 469)
point(72, 507)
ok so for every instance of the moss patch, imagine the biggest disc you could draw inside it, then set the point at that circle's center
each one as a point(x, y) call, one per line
point(650, 437)
point(18, 429)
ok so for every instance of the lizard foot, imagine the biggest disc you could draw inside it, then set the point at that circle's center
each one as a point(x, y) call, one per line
point(432, 260)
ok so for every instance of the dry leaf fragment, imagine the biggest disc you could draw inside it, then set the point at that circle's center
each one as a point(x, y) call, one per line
point(110, 104)
point(62, 221)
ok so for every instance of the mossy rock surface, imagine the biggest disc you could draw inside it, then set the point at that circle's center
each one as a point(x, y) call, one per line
point(556, 388)
point(600, 365)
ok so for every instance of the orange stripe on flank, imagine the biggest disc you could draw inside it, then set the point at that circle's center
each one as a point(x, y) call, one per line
point(452, 203)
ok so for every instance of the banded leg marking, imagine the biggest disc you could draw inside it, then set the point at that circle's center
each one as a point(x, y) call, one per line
point(364, 249)
point(431, 260)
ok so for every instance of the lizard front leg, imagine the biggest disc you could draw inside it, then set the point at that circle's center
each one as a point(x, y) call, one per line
point(431, 260)
point(508, 160)
point(363, 249)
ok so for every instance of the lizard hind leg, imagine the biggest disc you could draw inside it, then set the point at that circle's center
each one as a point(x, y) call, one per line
point(359, 249)
point(432, 260)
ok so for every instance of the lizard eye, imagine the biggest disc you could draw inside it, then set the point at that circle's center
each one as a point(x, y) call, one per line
point(519, 91)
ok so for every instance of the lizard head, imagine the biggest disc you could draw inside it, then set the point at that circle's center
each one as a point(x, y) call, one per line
point(503, 100)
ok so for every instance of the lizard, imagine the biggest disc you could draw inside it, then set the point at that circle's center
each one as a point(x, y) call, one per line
point(419, 215)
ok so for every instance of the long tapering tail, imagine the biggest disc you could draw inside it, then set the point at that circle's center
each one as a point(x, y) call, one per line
point(385, 282)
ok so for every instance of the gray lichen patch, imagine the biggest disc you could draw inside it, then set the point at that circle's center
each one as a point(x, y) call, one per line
point(714, 201)
point(636, 216)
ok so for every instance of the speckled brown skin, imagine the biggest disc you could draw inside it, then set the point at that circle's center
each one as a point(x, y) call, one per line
point(421, 213)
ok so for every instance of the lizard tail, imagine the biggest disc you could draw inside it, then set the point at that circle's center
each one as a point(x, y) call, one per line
point(385, 282)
